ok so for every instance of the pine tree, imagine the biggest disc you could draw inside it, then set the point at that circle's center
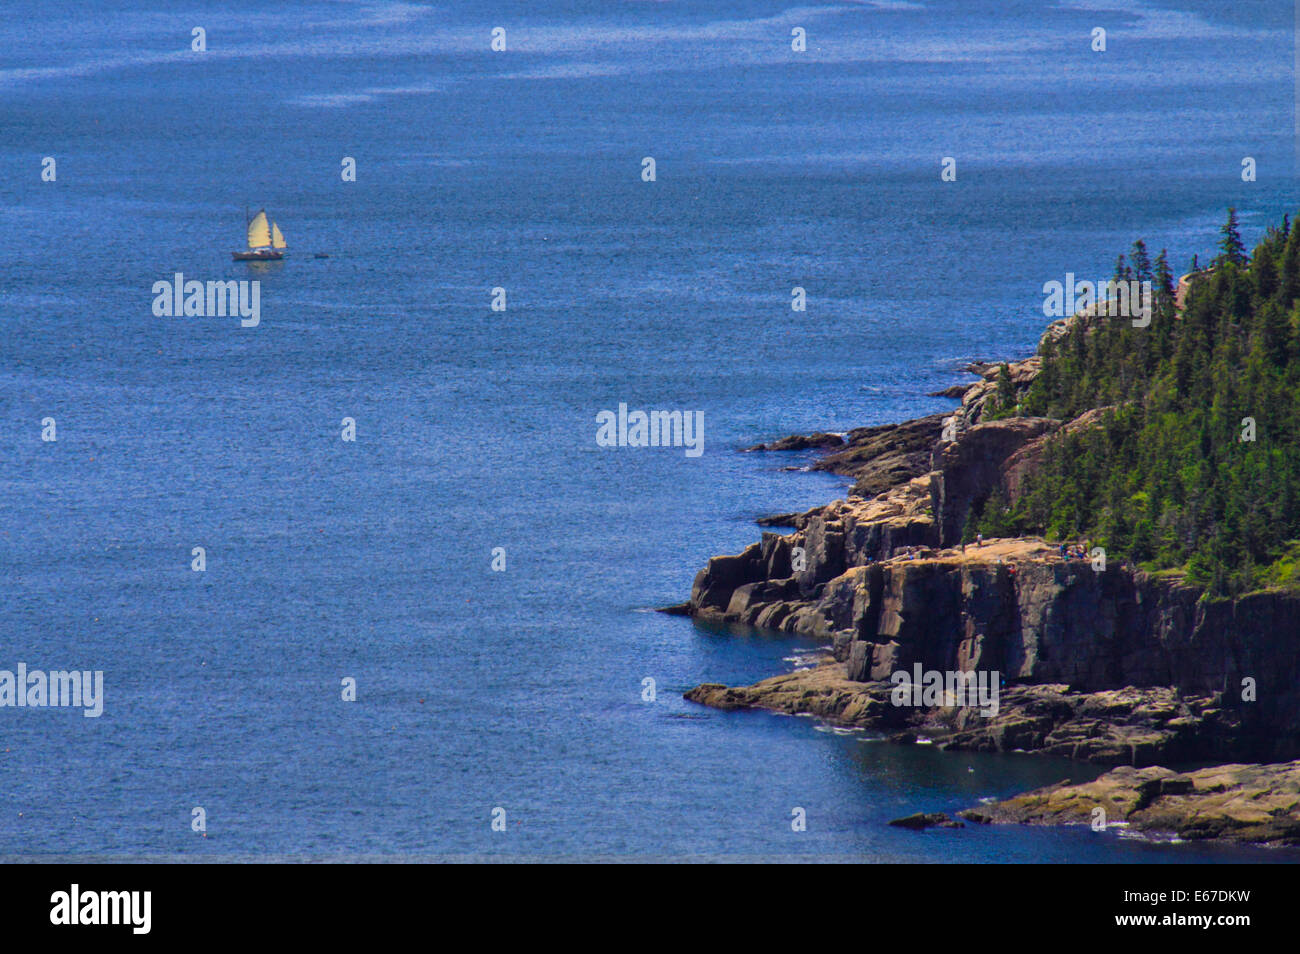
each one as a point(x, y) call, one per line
point(1275, 333)
point(1163, 279)
point(1289, 289)
point(1006, 390)
point(1264, 270)
point(1165, 300)
point(1231, 248)
point(1141, 261)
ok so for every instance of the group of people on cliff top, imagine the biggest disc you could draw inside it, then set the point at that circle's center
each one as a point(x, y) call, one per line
point(1068, 551)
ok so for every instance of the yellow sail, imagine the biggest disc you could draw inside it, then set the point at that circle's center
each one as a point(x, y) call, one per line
point(259, 233)
point(277, 237)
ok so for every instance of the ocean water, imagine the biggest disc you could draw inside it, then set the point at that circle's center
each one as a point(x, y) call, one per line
point(475, 428)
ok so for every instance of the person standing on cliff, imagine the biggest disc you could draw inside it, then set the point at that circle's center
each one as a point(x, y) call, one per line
point(979, 539)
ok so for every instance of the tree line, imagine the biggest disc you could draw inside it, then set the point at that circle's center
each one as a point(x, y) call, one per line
point(1195, 466)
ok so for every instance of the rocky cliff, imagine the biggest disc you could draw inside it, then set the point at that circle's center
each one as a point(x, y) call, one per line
point(884, 580)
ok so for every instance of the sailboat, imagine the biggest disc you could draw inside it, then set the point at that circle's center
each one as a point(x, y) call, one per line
point(265, 241)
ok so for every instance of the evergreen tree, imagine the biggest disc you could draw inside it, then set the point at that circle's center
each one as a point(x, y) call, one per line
point(1006, 390)
point(1141, 261)
point(1163, 280)
point(1289, 276)
point(1230, 245)
point(1264, 270)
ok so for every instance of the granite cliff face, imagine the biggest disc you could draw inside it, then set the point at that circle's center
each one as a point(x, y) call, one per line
point(885, 582)
point(1017, 608)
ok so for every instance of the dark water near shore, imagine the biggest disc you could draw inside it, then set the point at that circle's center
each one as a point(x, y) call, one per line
point(522, 689)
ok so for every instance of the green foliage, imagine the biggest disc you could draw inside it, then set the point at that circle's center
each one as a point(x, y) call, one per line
point(1006, 390)
point(1285, 570)
point(1003, 403)
point(1231, 248)
point(1165, 479)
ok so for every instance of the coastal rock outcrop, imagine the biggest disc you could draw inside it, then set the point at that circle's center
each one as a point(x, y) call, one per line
point(878, 458)
point(1255, 804)
point(977, 399)
point(881, 458)
point(923, 820)
point(1018, 608)
point(1128, 726)
point(793, 583)
point(822, 440)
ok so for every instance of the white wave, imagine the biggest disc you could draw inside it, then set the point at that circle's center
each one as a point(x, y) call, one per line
point(365, 96)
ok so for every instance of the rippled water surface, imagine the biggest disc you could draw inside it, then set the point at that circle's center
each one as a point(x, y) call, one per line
point(522, 689)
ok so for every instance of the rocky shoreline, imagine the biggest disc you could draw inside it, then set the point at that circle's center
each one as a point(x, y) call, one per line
point(1245, 804)
point(1103, 663)
point(1130, 726)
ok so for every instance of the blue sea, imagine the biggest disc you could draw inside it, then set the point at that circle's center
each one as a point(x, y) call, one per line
point(523, 688)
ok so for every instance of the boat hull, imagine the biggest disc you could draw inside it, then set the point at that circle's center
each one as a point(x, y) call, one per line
point(257, 256)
